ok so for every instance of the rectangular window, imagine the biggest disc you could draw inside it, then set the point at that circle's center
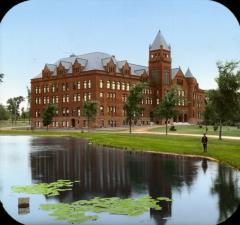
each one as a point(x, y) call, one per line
point(101, 94)
point(113, 85)
point(89, 84)
point(101, 84)
point(78, 112)
point(108, 84)
point(67, 98)
point(118, 85)
point(78, 97)
point(85, 97)
point(56, 99)
point(89, 96)
point(78, 85)
point(123, 86)
point(74, 97)
point(85, 84)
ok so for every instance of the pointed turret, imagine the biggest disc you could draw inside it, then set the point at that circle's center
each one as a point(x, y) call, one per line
point(158, 42)
point(188, 73)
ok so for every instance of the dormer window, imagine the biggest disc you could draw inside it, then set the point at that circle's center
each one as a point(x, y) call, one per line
point(111, 69)
point(76, 69)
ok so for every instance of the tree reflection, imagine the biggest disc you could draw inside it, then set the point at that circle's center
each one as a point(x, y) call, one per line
point(107, 172)
point(226, 186)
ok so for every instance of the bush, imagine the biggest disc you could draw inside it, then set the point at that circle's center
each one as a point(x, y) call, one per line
point(172, 128)
point(200, 126)
point(215, 127)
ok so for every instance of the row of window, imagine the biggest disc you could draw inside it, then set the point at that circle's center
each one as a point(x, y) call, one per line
point(110, 110)
point(64, 87)
point(115, 85)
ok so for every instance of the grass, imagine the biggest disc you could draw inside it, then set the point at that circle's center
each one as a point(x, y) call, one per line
point(194, 129)
point(8, 123)
point(225, 151)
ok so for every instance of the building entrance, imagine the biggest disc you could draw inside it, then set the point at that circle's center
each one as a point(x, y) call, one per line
point(73, 122)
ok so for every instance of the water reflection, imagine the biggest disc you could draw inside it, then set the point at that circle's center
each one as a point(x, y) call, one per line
point(226, 186)
point(109, 172)
point(198, 187)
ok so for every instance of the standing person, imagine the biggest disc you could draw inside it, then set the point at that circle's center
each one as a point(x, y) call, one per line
point(204, 142)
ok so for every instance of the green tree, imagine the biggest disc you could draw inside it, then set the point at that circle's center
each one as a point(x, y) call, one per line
point(29, 104)
point(13, 105)
point(48, 113)
point(132, 105)
point(4, 114)
point(1, 77)
point(24, 114)
point(167, 108)
point(225, 99)
point(209, 115)
point(90, 111)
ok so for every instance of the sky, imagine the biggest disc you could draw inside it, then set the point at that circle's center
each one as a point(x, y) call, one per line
point(35, 32)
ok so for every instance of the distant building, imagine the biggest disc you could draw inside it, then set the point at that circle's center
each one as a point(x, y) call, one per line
point(101, 77)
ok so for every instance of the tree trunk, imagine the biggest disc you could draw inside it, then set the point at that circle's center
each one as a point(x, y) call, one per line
point(220, 130)
point(47, 127)
point(166, 126)
point(130, 126)
point(88, 121)
point(206, 128)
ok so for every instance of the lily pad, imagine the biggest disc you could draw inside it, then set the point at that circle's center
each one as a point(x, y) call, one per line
point(76, 212)
point(49, 189)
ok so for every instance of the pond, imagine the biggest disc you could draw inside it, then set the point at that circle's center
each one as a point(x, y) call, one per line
point(202, 191)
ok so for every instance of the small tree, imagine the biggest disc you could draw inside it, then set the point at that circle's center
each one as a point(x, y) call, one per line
point(4, 114)
point(29, 104)
point(1, 77)
point(90, 111)
point(132, 105)
point(48, 115)
point(209, 115)
point(167, 108)
point(13, 106)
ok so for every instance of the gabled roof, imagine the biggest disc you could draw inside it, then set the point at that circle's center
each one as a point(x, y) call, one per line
point(94, 61)
point(174, 71)
point(158, 41)
point(51, 67)
point(188, 73)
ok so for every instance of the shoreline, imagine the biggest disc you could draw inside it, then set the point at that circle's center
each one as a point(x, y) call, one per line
point(102, 140)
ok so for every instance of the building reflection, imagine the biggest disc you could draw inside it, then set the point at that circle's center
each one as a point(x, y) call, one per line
point(108, 172)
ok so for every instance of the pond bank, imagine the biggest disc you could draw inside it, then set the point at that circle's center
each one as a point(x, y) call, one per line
point(225, 151)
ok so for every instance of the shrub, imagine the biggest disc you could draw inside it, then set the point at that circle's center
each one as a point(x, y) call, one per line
point(172, 128)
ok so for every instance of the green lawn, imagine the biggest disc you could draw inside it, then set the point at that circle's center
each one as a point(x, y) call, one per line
point(194, 129)
point(8, 123)
point(226, 151)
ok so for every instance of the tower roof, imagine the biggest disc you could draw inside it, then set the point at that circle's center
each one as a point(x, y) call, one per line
point(158, 41)
point(188, 73)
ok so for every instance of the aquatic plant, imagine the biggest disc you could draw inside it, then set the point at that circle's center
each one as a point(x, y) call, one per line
point(76, 212)
point(49, 189)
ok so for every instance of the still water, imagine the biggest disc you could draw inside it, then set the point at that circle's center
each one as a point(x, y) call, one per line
point(203, 192)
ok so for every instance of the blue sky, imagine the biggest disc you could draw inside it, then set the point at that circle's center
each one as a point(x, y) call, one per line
point(36, 32)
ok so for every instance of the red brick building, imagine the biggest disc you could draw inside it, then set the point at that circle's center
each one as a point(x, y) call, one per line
point(101, 77)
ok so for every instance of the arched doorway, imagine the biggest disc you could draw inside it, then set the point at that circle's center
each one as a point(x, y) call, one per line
point(73, 122)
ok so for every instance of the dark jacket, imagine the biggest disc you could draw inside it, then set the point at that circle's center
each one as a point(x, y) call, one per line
point(204, 140)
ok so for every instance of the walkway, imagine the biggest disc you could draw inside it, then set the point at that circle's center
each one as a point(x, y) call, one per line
point(145, 130)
